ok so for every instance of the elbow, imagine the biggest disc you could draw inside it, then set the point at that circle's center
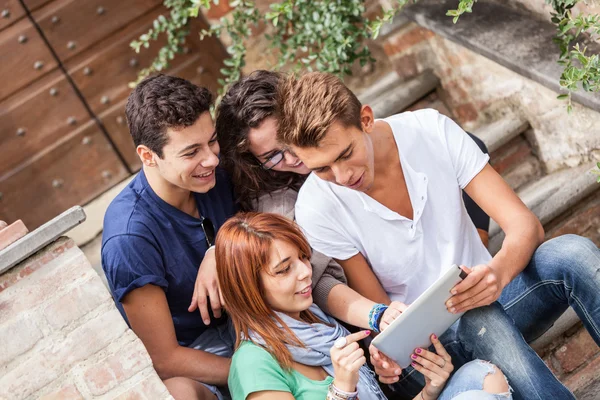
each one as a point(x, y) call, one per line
point(539, 233)
point(163, 367)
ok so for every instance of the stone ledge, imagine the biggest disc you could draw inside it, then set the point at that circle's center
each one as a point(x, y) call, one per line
point(550, 196)
point(511, 38)
point(390, 95)
point(41, 237)
point(498, 133)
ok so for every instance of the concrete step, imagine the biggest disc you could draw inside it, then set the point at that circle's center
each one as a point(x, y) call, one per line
point(390, 95)
point(550, 196)
point(500, 132)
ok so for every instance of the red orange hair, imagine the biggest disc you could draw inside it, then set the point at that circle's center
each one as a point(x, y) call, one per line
point(243, 247)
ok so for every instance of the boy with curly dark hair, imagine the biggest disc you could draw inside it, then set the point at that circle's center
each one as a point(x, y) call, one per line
point(158, 232)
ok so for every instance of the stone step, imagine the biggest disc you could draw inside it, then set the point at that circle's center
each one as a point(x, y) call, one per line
point(500, 132)
point(512, 38)
point(550, 196)
point(390, 95)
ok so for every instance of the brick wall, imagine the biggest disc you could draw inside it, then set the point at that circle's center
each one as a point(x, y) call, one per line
point(62, 337)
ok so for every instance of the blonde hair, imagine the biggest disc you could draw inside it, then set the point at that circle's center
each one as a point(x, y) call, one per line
point(310, 104)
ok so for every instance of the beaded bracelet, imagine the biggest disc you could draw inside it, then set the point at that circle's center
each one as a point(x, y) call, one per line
point(337, 394)
point(375, 315)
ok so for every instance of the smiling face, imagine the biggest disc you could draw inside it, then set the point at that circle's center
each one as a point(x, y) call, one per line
point(190, 156)
point(263, 145)
point(287, 279)
point(344, 156)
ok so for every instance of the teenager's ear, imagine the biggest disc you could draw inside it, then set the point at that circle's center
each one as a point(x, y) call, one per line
point(367, 119)
point(146, 155)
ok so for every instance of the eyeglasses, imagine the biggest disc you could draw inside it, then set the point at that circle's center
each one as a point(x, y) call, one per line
point(276, 159)
point(209, 231)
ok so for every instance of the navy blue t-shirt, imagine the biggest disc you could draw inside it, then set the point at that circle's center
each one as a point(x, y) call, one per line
point(148, 241)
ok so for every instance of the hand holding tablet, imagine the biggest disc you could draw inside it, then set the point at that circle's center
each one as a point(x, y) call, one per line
point(427, 315)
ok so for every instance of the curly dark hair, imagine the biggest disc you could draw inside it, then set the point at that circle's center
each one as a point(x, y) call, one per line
point(245, 106)
point(160, 102)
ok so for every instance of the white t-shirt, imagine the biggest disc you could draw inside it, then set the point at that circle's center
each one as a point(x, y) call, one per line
point(438, 159)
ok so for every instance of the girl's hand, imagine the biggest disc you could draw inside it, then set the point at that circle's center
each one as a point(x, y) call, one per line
point(436, 368)
point(347, 358)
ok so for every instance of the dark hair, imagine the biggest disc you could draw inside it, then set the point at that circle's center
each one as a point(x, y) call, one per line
point(160, 102)
point(245, 106)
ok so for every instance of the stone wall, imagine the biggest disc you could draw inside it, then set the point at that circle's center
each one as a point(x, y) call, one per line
point(62, 337)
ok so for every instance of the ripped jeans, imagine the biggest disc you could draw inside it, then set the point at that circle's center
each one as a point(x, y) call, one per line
point(467, 383)
point(488, 333)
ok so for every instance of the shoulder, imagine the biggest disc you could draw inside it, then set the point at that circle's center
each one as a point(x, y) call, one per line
point(418, 124)
point(254, 369)
point(249, 353)
point(280, 202)
point(316, 194)
point(128, 211)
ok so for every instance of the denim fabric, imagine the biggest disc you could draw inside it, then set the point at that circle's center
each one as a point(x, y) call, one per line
point(219, 340)
point(563, 272)
point(488, 333)
point(467, 383)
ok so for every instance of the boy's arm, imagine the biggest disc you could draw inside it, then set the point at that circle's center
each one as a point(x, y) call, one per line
point(148, 313)
point(524, 233)
point(353, 303)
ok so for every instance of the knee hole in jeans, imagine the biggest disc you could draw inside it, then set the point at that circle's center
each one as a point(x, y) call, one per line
point(495, 381)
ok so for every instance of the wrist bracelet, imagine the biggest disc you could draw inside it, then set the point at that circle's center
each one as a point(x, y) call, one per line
point(337, 394)
point(375, 316)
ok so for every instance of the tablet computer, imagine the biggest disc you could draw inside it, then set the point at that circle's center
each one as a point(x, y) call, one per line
point(427, 315)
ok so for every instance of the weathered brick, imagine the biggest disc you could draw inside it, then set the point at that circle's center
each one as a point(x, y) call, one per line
point(28, 377)
point(403, 41)
point(509, 155)
point(116, 368)
point(76, 303)
point(583, 220)
point(12, 233)
point(466, 113)
point(35, 262)
point(68, 392)
point(585, 380)
point(406, 66)
point(43, 283)
point(88, 339)
point(18, 336)
point(576, 351)
point(151, 388)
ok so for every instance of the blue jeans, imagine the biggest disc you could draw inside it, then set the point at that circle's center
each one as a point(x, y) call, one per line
point(488, 333)
point(563, 272)
point(467, 383)
point(219, 340)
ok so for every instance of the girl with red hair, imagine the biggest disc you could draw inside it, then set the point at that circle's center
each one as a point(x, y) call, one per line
point(287, 348)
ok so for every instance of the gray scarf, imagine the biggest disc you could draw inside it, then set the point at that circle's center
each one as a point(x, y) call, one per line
point(318, 339)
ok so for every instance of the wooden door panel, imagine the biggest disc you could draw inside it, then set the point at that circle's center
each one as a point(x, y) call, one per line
point(102, 73)
point(36, 118)
point(72, 173)
point(24, 57)
point(115, 123)
point(72, 26)
point(10, 11)
point(33, 5)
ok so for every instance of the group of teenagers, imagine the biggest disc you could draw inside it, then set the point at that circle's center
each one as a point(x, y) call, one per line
point(248, 248)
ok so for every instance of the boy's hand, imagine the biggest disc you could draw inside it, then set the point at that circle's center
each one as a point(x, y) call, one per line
point(207, 288)
point(481, 287)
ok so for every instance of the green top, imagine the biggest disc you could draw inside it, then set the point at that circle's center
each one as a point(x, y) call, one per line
point(253, 369)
